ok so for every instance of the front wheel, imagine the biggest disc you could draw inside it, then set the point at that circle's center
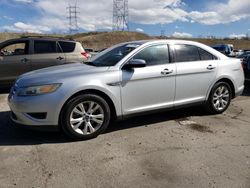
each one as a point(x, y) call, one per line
point(85, 117)
point(219, 98)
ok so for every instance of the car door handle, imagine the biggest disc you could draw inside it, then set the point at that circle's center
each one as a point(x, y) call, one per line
point(60, 58)
point(210, 67)
point(166, 72)
point(24, 60)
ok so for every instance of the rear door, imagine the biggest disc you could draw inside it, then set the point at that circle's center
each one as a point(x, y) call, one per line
point(46, 53)
point(196, 69)
point(73, 51)
point(14, 61)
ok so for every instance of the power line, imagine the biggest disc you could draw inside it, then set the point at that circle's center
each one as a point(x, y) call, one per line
point(72, 12)
point(120, 15)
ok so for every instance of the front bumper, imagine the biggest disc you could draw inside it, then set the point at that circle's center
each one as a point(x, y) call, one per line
point(23, 107)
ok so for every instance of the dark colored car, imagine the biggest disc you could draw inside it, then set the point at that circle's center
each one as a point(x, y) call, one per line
point(244, 55)
point(18, 56)
point(246, 67)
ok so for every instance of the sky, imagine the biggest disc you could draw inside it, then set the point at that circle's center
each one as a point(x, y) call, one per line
point(178, 18)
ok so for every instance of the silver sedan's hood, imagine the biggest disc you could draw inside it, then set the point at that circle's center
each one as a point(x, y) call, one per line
point(58, 73)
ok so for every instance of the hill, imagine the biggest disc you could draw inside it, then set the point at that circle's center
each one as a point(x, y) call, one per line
point(100, 40)
point(103, 40)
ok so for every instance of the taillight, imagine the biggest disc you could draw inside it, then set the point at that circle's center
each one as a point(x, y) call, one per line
point(85, 55)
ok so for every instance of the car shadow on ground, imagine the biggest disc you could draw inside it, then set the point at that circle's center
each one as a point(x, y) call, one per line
point(12, 134)
point(5, 90)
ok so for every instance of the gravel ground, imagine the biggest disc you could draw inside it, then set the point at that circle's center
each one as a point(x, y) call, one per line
point(183, 148)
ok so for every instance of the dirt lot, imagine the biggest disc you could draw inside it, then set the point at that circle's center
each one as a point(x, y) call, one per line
point(183, 148)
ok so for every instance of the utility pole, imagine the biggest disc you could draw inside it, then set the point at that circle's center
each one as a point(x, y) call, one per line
point(120, 15)
point(72, 12)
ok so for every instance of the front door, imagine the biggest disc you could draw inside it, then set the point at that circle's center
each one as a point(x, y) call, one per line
point(151, 87)
point(14, 61)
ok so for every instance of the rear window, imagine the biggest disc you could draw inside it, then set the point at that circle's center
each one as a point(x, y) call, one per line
point(44, 47)
point(204, 55)
point(67, 47)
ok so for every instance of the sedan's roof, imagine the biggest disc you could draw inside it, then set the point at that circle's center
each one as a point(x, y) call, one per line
point(173, 41)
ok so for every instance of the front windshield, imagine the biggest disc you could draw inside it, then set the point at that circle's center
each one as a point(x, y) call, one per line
point(113, 55)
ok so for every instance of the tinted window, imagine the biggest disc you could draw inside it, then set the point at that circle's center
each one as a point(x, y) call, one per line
point(18, 48)
point(67, 47)
point(186, 53)
point(204, 55)
point(154, 55)
point(42, 47)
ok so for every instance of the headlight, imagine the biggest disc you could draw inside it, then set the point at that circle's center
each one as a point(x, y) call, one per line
point(38, 90)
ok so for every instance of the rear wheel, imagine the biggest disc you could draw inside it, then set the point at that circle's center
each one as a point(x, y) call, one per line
point(219, 98)
point(85, 117)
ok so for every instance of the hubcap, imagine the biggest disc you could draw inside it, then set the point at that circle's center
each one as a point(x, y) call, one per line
point(221, 98)
point(87, 117)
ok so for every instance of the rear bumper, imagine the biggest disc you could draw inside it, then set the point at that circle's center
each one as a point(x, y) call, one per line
point(239, 91)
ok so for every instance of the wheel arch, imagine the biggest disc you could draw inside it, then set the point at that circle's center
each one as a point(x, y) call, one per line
point(228, 81)
point(95, 92)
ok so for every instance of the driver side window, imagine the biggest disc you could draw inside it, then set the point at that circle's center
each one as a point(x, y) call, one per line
point(14, 49)
point(154, 55)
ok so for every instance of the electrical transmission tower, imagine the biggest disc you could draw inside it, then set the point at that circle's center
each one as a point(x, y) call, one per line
point(120, 15)
point(162, 31)
point(73, 12)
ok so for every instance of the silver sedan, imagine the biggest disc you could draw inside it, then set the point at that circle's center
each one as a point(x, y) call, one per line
point(125, 80)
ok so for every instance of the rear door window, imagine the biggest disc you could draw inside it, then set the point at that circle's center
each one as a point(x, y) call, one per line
point(67, 47)
point(186, 53)
point(45, 47)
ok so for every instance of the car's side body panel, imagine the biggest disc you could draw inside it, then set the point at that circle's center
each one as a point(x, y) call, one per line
point(145, 89)
point(193, 80)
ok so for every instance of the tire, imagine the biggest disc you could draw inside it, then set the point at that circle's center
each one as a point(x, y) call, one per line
point(219, 99)
point(85, 117)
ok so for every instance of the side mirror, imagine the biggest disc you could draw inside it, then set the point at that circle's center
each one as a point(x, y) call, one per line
point(135, 63)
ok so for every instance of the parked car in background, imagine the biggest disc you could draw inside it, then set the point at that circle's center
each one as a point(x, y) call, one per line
point(243, 55)
point(125, 80)
point(18, 56)
point(246, 66)
point(237, 53)
point(226, 49)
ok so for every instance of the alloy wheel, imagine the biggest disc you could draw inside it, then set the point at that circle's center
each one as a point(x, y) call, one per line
point(221, 98)
point(87, 117)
